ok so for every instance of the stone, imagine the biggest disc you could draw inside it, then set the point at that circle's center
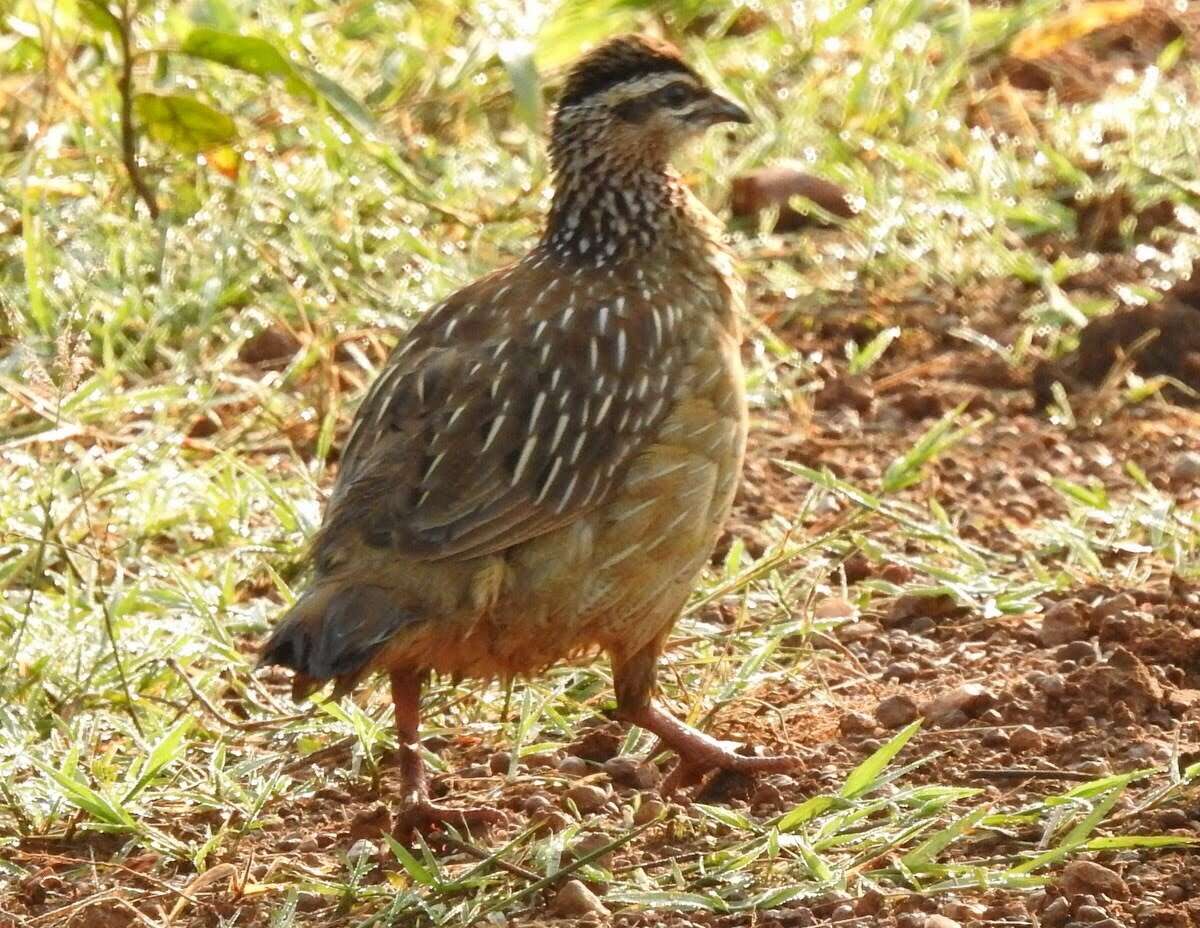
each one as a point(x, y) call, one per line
point(1186, 467)
point(630, 771)
point(1064, 622)
point(587, 798)
point(648, 811)
point(858, 631)
point(1026, 740)
point(1080, 877)
point(896, 711)
point(941, 921)
point(576, 899)
point(969, 699)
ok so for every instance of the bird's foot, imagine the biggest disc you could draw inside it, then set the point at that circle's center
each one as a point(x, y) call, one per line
point(711, 756)
point(420, 815)
point(701, 754)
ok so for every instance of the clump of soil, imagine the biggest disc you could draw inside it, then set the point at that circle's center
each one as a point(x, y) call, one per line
point(1162, 339)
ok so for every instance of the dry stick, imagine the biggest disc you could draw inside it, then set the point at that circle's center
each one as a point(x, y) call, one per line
point(1030, 773)
point(125, 88)
point(252, 725)
point(482, 855)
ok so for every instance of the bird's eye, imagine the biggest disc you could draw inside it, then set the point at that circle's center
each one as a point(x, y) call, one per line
point(675, 95)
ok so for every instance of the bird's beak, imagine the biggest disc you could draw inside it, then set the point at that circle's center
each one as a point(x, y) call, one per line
point(720, 109)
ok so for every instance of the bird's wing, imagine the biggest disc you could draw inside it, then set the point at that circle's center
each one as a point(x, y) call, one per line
point(484, 431)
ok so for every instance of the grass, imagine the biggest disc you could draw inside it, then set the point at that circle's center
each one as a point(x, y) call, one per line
point(160, 490)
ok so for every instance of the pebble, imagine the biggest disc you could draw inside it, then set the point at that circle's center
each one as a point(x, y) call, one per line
point(573, 766)
point(1055, 915)
point(970, 699)
point(896, 711)
point(630, 771)
point(858, 631)
point(576, 899)
point(499, 762)
point(1090, 914)
point(1086, 876)
point(361, 848)
point(1026, 740)
point(1186, 468)
point(1076, 652)
point(537, 804)
point(941, 921)
point(834, 607)
point(1064, 622)
point(649, 810)
point(856, 723)
point(586, 797)
point(901, 671)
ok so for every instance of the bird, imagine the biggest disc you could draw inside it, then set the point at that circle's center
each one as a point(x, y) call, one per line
point(543, 465)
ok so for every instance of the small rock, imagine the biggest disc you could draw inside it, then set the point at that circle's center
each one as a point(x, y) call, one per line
point(573, 766)
point(1055, 915)
point(1090, 914)
point(856, 723)
point(272, 347)
point(901, 671)
point(629, 771)
point(1115, 607)
point(857, 631)
point(834, 607)
point(1026, 740)
point(1186, 468)
point(896, 711)
point(372, 822)
point(537, 804)
point(308, 845)
point(941, 921)
point(1077, 651)
point(361, 848)
point(499, 762)
point(590, 844)
point(648, 811)
point(1064, 622)
point(1086, 876)
point(576, 899)
point(969, 699)
point(586, 797)
point(545, 761)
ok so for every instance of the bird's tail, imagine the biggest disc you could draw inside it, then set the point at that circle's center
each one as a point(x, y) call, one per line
point(332, 633)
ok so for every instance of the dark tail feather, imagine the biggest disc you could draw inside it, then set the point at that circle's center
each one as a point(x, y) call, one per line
point(332, 632)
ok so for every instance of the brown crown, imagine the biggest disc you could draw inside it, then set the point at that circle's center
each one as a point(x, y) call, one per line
point(618, 60)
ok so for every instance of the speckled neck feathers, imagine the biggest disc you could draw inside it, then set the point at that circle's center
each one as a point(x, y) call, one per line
point(609, 207)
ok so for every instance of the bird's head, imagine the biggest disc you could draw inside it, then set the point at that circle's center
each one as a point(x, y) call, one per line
point(636, 98)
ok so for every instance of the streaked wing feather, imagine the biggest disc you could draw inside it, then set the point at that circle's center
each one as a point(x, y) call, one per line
point(467, 446)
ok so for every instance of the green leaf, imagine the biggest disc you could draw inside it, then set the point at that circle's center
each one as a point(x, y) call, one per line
point(99, 14)
point(863, 777)
point(82, 796)
point(242, 52)
point(806, 812)
point(261, 57)
point(931, 847)
point(165, 752)
point(184, 123)
point(862, 359)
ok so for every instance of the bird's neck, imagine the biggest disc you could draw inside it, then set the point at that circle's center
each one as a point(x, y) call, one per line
point(607, 210)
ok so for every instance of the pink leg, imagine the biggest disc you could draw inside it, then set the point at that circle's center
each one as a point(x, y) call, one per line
point(698, 752)
point(418, 812)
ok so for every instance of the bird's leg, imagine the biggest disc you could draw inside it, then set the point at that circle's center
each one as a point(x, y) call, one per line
point(698, 752)
point(418, 811)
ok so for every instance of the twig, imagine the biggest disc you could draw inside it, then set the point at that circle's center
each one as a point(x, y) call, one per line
point(252, 725)
point(128, 137)
point(482, 855)
point(1030, 773)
